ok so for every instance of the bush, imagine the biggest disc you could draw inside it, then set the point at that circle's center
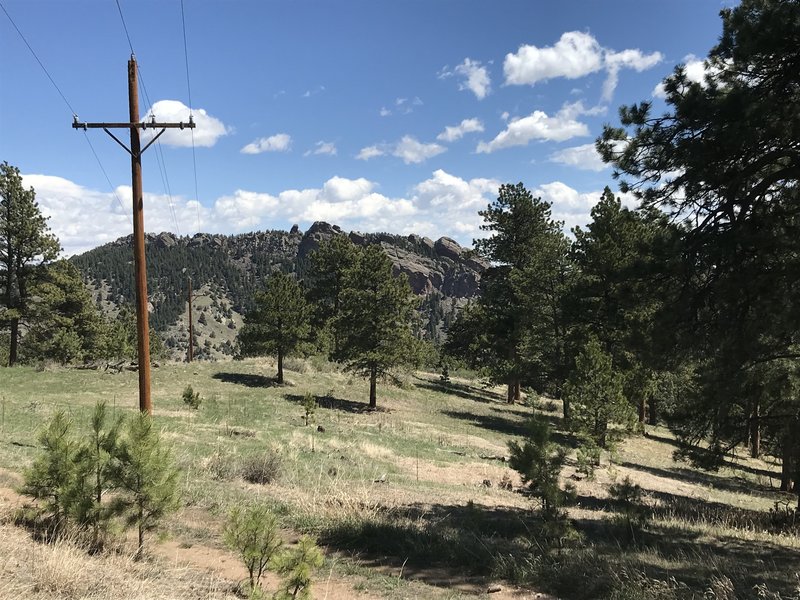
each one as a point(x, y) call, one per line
point(191, 398)
point(296, 566)
point(310, 407)
point(253, 533)
point(262, 468)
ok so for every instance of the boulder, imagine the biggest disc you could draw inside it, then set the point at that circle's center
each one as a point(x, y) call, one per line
point(448, 248)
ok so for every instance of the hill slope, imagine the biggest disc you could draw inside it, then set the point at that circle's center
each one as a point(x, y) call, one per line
point(229, 269)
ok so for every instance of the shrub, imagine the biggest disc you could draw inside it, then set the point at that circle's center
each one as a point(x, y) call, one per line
point(296, 565)
point(262, 468)
point(310, 407)
point(628, 496)
point(539, 461)
point(191, 398)
point(253, 533)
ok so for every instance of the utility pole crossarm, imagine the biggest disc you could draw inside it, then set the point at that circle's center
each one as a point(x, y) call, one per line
point(140, 125)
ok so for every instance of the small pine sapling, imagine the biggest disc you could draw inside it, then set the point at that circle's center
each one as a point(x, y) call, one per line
point(148, 477)
point(252, 532)
point(191, 398)
point(96, 466)
point(51, 478)
point(310, 407)
point(539, 461)
point(297, 566)
point(628, 496)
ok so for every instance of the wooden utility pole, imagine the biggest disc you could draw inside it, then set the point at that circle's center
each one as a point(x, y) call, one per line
point(190, 353)
point(134, 125)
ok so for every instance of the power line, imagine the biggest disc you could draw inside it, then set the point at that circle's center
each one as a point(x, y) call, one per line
point(46, 72)
point(191, 108)
point(125, 27)
point(72, 110)
point(162, 164)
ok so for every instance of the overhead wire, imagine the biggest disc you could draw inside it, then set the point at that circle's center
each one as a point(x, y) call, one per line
point(191, 108)
point(72, 110)
point(160, 160)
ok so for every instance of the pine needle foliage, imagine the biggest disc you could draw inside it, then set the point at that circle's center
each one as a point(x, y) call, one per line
point(252, 532)
point(297, 566)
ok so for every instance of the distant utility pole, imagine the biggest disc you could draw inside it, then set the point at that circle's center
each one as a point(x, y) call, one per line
point(190, 354)
point(134, 125)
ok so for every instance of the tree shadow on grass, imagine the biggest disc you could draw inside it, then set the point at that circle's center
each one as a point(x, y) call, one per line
point(340, 404)
point(462, 390)
point(737, 485)
point(246, 379)
point(494, 423)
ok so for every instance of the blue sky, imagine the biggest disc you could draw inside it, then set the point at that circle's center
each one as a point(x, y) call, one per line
point(375, 115)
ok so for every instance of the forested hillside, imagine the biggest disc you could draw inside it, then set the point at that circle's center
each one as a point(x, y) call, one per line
point(229, 269)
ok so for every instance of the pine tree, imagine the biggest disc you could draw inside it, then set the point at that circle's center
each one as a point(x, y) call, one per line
point(253, 533)
point(25, 245)
point(297, 565)
point(51, 477)
point(96, 464)
point(325, 281)
point(279, 323)
point(374, 324)
point(595, 394)
point(147, 477)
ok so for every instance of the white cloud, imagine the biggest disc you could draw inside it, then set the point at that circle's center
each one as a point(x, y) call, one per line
point(280, 142)
point(696, 71)
point(327, 148)
point(83, 218)
point(452, 133)
point(627, 59)
point(413, 151)
point(576, 54)
point(207, 129)
point(443, 204)
point(539, 126)
point(475, 77)
point(583, 157)
point(370, 152)
point(384, 112)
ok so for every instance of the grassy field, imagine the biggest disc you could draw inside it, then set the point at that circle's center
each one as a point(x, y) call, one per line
point(405, 500)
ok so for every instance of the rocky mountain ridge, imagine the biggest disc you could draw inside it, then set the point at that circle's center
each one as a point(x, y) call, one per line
point(232, 267)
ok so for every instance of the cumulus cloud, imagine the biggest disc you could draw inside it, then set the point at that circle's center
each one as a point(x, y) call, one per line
point(576, 54)
point(384, 112)
point(540, 126)
point(409, 148)
point(412, 151)
point(370, 152)
point(280, 142)
point(327, 148)
point(442, 204)
point(583, 157)
point(696, 71)
point(474, 76)
point(452, 133)
point(207, 129)
point(83, 218)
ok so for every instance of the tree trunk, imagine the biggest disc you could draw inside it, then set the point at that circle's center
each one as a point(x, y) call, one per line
point(755, 432)
point(517, 391)
point(140, 549)
point(642, 409)
point(373, 386)
point(12, 350)
point(787, 465)
point(567, 411)
point(280, 367)
point(652, 413)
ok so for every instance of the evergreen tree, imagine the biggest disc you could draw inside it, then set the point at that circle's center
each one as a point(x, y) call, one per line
point(147, 477)
point(25, 245)
point(51, 477)
point(521, 294)
point(325, 281)
point(724, 156)
point(63, 323)
point(374, 322)
point(595, 395)
point(539, 461)
point(279, 323)
point(96, 464)
point(624, 260)
point(297, 565)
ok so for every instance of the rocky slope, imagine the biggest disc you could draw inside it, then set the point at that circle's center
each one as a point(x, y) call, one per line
point(228, 269)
